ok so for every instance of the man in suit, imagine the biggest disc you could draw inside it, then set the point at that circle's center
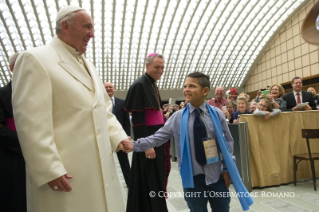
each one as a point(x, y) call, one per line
point(12, 166)
point(65, 124)
point(297, 96)
point(124, 119)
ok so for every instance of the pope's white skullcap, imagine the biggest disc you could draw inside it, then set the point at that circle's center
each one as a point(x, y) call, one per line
point(64, 11)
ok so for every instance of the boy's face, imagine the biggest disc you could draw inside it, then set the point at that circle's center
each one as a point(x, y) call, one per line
point(241, 106)
point(193, 92)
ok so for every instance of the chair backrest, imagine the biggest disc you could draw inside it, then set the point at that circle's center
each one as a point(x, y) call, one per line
point(309, 133)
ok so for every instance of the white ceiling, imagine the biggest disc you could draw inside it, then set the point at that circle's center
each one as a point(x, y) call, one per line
point(220, 38)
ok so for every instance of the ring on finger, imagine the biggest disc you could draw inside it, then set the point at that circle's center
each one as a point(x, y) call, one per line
point(149, 156)
point(55, 187)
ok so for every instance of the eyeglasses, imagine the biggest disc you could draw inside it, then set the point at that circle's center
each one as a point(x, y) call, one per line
point(264, 106)
point(229, 108)
point(275, 89)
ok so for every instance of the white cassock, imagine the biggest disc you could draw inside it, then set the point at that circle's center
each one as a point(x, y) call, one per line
point(65, 125)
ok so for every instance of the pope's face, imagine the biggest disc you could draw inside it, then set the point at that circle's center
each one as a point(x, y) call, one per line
point(80, 31)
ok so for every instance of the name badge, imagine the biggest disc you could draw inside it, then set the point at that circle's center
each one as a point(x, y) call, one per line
point(210, 150)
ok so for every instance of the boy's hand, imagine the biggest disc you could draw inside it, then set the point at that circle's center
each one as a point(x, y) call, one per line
point(126, 146)
point(227, 179)
point(150, 153)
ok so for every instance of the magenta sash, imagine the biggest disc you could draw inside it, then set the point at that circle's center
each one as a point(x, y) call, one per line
point(154, 117)
point(10, 124)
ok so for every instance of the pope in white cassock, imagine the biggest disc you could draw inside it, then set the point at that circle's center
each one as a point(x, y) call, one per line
point(65, 125)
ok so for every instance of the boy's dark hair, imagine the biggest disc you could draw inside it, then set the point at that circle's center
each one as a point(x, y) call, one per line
point(203, 79)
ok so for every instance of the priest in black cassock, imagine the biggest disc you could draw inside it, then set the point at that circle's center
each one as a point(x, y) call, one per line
point(12, 166)
point(150, 169)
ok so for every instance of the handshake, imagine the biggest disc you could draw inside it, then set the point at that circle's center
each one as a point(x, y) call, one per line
point(126, 145)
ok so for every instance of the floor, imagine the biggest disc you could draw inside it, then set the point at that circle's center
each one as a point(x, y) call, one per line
point(288, 198)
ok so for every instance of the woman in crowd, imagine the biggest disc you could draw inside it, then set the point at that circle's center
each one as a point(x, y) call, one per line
point(232, 95)
point(230, 109)
point(242, 108)
point(266, 110)
point(176, 107)
point(315, 96)
point(182, 105)
point(276, 92)
point(314, 93)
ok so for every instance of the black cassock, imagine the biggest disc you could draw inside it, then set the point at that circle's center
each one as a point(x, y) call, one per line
point(12, 166)
point(147, 175)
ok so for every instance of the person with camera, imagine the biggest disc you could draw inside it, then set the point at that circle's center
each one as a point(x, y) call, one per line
point(169, 112)
point(275, 97)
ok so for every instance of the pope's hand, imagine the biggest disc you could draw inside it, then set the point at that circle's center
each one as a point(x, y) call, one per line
point(126, 146)
point(61, 183)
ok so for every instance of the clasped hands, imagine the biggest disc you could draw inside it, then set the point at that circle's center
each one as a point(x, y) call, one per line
point(126, 145)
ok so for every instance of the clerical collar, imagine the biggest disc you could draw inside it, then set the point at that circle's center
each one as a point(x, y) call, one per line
point(72, 50)
point(149, 78)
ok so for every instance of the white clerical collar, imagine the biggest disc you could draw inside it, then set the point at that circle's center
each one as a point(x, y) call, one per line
point(72, 50)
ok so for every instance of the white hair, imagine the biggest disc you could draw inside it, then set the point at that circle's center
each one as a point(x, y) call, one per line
point(13, 58)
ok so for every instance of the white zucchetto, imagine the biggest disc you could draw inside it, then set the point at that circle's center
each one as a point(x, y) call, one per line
point(66, 11)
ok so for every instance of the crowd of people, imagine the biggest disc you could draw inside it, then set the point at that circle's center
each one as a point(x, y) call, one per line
point(271, 101)
point(64, 127)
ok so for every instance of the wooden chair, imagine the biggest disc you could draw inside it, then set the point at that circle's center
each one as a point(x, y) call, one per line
point(307, 133)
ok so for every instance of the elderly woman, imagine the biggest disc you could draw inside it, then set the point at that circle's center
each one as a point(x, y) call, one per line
point(275, 95)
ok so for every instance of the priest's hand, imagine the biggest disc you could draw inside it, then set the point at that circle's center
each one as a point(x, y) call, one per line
point(150, 153)
point(227, 179)
point(61, 183)
point(126, 146)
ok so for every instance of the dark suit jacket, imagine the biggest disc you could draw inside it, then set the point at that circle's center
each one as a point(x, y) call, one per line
point(122, 115)
point(291, 100)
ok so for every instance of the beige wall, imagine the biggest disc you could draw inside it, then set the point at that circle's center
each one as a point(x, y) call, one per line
point(286, 57)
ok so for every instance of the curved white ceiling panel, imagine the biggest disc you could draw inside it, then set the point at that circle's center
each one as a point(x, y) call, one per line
point(219, 38)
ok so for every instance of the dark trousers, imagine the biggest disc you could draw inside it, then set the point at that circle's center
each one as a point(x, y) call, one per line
point(125, 166)
point(215, 194)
